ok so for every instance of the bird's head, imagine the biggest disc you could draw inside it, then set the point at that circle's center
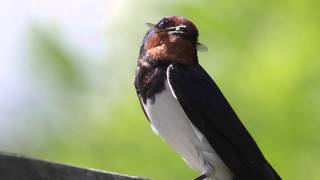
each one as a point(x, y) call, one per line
point(174, 39)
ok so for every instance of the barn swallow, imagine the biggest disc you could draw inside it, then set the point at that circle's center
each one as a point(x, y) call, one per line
point(185, 106)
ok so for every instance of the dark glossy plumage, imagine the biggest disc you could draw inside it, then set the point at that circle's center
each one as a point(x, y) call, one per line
point(210, 112)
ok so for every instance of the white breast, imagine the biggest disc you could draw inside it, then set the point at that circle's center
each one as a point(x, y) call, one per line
point(169, 120)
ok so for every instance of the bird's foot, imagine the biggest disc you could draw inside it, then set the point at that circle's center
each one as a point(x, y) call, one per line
point(202, 177)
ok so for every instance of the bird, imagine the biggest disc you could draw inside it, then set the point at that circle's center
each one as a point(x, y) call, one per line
point(188, 110)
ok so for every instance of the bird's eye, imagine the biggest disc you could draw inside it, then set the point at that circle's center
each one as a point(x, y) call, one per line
point(163, 23)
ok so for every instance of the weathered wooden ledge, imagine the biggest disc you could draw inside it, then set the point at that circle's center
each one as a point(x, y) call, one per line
point(17, 167)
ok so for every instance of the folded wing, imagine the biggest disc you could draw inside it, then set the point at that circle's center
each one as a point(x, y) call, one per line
point(210, 112)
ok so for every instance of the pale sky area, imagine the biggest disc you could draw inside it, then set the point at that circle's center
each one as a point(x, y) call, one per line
point(82, 23)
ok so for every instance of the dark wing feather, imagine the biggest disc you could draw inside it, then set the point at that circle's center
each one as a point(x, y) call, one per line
point(210, 112)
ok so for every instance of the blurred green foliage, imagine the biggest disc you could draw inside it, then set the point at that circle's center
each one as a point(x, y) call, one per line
point(264, 55)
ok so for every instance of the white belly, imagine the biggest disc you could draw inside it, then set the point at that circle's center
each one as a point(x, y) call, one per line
point(170, 121)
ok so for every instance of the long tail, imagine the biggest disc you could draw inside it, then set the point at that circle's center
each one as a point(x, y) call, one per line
point(268, 173)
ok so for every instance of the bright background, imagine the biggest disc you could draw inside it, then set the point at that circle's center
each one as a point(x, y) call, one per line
point(67, 67)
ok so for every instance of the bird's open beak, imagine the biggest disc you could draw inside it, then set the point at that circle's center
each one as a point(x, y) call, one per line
point(157, 28)
point(178, 30)
point(150, 25)
point(181, 29)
